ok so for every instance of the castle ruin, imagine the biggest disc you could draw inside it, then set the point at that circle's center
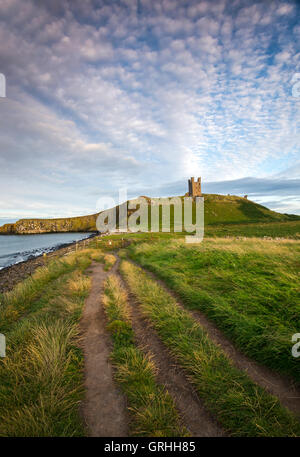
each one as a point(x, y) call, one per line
point(195, 187)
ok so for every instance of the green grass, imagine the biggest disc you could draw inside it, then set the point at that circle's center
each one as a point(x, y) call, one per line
point(41, 380)
point(286, 229)
point(41, 377)
point(241, 407)
point(151, 408)
point(250, 288)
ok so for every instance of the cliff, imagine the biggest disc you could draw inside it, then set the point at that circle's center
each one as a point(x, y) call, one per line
point(35, 226)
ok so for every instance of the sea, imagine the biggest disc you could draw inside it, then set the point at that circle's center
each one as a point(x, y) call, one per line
point(17, 248)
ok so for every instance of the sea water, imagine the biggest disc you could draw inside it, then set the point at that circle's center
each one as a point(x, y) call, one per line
point(17, 248)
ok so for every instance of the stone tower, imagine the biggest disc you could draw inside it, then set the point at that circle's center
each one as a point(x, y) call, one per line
point(195, 187)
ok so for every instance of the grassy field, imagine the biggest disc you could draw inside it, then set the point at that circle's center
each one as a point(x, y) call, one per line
point(250, 288)
point(287, 229)
point(152, 409)
point(241, 407)
point(247, 285)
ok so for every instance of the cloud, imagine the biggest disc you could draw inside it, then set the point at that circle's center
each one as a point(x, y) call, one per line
point(142, 93)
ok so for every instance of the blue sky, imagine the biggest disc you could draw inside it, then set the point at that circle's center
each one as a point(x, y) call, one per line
point(144, 94)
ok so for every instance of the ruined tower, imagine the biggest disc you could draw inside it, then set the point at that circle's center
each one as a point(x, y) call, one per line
point(195, 187)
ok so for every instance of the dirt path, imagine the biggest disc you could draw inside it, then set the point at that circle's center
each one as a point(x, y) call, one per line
point(194, 416)
point(283, 388)
point(104, 408)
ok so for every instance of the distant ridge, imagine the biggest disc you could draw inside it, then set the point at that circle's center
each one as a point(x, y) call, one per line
point(218, 209)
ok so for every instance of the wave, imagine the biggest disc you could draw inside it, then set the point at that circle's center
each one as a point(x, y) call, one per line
point(18, 257)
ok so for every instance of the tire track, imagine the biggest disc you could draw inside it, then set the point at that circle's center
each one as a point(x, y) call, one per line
point(285, 389)
point(195, 417)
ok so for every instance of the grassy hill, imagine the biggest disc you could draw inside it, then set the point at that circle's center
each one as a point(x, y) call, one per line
point(218, 209)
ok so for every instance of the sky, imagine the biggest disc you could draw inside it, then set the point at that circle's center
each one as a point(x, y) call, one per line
point(143, 94)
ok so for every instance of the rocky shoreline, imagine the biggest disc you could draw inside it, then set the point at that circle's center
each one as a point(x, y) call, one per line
point(11, 275)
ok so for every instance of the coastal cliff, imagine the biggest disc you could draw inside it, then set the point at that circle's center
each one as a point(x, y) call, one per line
point(37, 226)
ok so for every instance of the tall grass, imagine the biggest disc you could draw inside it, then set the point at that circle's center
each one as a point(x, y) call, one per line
point(152, 409)
point(250, 288)
point(19, 301)
point(41, 379)
point(241, 406)
point(40, 389)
